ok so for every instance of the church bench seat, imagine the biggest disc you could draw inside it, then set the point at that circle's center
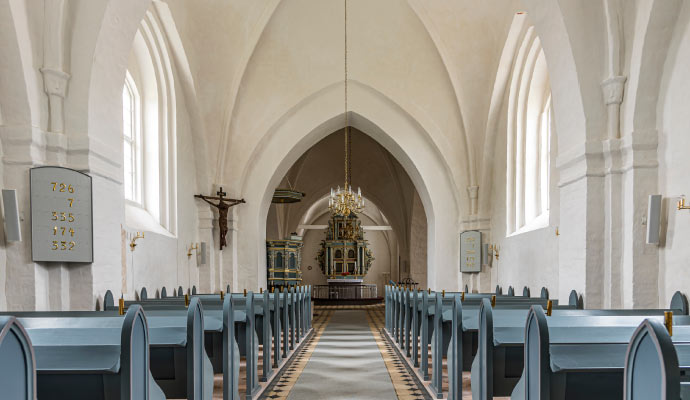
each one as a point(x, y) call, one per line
point(407, 310)
point(657, 364)
point(583, 357)
point(86, 358)
point(17, 361)
point(290, 308)
point(501, 340)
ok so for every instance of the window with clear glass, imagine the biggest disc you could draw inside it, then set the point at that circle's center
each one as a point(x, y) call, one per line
point(131, 140)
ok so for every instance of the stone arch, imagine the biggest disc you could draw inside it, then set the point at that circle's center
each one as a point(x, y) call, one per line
point(655, 26)
point(577, 100)
point(396, 130)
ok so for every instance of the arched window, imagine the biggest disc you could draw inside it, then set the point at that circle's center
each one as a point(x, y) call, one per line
point(529, 130)
point(131, 128)
point(150, 150)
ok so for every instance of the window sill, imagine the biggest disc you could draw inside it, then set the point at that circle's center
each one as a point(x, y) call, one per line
point(540, 222)
point(139, 218)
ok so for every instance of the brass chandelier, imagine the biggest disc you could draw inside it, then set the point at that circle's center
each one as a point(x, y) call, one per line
point(345, 201)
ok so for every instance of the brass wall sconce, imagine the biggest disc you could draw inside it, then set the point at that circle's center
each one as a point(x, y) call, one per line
point(193, 247)
point(493, 250)
point(681, 204)
point(133, 244)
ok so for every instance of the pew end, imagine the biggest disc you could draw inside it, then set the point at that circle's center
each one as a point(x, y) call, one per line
point(134, 355)
point(525, 292)
point(679, 303)
point(575, 300)
point(544, 293)
point(17, 361)
point(108, 301)
point(537, 360)
point(651, 364)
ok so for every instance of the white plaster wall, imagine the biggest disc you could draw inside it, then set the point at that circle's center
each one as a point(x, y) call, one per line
point(674, 163)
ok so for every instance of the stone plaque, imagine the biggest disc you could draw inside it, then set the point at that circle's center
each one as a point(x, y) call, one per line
point(471, 251)
point(61, 215)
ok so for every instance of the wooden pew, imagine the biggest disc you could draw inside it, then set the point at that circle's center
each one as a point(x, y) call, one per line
point(91, 357)
point(178, 360)
point(656, 364)
point(17, 361)
point(499, 361)
point(578, 357)
point(424, 317)
point(268, 329)
point(164, 292)
point(220, 333)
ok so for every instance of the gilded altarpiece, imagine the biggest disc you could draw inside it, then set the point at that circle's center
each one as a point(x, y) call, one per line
point(344, 253)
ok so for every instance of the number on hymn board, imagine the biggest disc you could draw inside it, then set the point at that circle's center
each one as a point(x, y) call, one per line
point(63, 245)
point(63, 216)
point(62, 187)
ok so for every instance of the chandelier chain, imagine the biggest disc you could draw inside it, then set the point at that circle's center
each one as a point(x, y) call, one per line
point(345, 201)
point(347, 139)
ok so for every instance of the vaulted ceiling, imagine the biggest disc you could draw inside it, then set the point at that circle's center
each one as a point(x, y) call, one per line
point(252, 60)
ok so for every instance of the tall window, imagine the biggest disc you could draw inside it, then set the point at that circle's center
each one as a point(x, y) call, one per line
point(131, 117)
point(529, 126)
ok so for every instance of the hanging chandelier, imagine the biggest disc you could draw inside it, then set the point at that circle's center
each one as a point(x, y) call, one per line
point(345, 201)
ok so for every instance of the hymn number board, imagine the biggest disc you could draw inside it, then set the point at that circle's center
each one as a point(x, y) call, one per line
point(471, 251)
point(61, 215)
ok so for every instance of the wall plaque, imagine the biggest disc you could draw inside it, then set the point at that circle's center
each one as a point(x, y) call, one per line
point(61, 215)
point(471, 251)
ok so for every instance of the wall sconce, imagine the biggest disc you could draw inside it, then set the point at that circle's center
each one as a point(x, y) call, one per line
point(493, 249)
point(681, 203)
point(200, 252)
point(194, 246)
point(133, 244)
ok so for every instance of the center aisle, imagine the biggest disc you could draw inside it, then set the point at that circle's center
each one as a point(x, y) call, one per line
point(345, 362)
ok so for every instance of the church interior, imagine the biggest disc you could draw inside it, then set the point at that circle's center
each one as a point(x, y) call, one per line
point(344, 199)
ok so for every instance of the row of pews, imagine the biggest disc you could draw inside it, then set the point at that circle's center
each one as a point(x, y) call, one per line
point(170, 347)
point(535, 348)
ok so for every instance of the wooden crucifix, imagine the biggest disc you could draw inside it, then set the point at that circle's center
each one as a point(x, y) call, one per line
point(223, 206)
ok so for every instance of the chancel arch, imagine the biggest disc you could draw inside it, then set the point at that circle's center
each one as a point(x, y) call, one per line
point(393, 129)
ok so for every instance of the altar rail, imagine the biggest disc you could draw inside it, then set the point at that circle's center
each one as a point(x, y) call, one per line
point(345, 292)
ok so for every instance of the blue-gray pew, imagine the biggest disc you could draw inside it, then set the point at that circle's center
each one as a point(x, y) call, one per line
point(180, 292)
point(656, 364)
point(525, 292)
point(17, 361)
point(578, 357)
point(143, 294)
point(91, 358)
point(179, 363)
point(268, 329)
point(405, 311)
point(499, 361)
point(406, 314)
point(193, 289)
point(217, 334)
point(164, 292)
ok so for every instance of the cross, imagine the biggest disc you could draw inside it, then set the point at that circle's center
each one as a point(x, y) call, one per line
point(221, 193)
